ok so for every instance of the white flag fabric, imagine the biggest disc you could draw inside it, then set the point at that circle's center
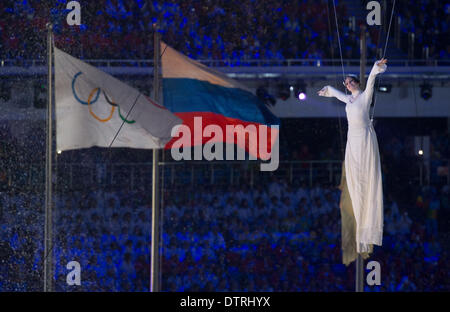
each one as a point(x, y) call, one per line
point(92, 106)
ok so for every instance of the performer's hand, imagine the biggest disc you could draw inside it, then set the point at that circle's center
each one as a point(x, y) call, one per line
point(323, 92)
point(382, 62)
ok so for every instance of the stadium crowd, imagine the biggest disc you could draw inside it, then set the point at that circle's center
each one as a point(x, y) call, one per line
point(274, 237)
point(216, 30)
point(216, 236)
point(429, 20)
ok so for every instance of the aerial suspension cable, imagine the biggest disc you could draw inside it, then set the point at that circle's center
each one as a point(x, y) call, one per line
point(384, 54)
point(339, 42)
point(359, 270)
point(379, 38)
point(341, 140)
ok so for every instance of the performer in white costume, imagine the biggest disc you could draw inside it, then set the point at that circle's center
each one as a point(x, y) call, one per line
point(362, 159)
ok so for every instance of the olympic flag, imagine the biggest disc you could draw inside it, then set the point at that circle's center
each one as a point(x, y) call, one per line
point(93, 107)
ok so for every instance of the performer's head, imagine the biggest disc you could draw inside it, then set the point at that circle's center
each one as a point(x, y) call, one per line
point(351, 82)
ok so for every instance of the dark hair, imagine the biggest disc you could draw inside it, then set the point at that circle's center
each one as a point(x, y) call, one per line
point(354, 77)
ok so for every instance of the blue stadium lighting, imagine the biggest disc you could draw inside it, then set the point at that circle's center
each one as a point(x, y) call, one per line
point(426, 91)
point(223, 225)
point(300, 92)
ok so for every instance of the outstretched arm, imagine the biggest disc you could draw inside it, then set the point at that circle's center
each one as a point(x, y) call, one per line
point(379, 67)
point(329, 91)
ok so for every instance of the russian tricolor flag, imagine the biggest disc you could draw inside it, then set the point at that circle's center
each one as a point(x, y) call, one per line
point(191, 89)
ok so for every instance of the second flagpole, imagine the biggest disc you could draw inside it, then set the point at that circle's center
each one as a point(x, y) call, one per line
point(154, 269)
point(48, 227)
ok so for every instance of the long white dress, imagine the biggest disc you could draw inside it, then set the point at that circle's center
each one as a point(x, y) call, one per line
point(362, 164)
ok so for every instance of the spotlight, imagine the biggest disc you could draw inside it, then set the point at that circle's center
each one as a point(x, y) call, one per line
point(283, 92)
point(385, 88)
point(421, 152)
point(300, 92)
point(426, 91)
point(265, 97)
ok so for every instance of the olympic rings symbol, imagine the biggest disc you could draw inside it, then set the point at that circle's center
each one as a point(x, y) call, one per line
point(91, 101)
point(113, 105)
point(90, 107)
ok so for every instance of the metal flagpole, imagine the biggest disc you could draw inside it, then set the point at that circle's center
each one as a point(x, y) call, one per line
point(359, 265)
point(154, 270)
point(363, 48)
point(48, 271)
